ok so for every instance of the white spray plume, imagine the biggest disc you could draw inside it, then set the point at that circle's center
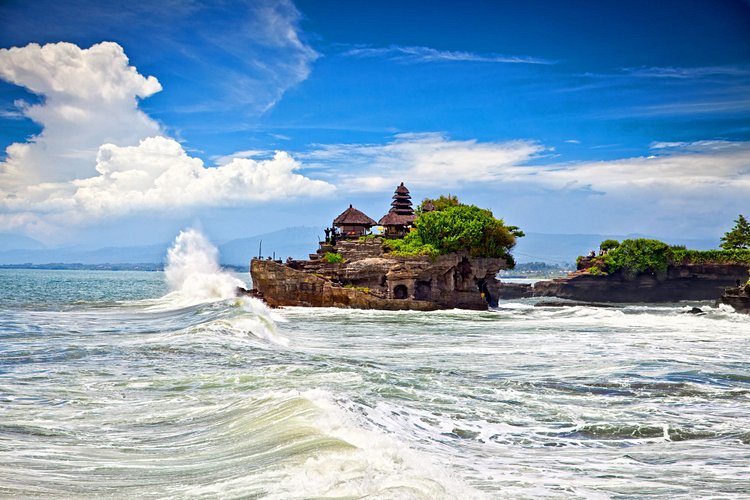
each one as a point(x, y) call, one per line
point(193, 269)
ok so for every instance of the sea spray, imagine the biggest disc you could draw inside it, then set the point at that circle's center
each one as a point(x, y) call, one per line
point(195, 277)
point(193, 270)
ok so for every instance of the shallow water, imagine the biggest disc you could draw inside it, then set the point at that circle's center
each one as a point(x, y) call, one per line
point(111, 386)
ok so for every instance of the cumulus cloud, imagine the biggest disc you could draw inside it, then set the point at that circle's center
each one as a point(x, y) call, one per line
point(90, 97)
point(99, 155)
point(158, 174)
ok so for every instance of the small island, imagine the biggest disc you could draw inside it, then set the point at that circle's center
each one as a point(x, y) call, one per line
point(646, 270)
point(443, 255)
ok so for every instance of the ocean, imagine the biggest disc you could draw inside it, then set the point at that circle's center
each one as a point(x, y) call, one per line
point(163, 385)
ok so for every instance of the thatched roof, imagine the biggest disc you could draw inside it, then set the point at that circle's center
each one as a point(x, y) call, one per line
point(353, 217)
point(402, 201)
point(394, 219)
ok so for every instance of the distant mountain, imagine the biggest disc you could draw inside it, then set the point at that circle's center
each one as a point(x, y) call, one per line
point(298, 242)
point(108, 255)
point(295, 242)
point(12, 241)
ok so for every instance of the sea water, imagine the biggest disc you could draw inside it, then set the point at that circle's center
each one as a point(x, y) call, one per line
point(149, 384)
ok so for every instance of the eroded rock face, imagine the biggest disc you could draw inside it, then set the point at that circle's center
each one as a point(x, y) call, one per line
point(738, 298)
point(684, 282)
point(369, 279)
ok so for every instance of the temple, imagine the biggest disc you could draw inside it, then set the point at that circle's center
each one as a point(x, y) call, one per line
point(400, 217)
point(352, 223)
point(352, 268)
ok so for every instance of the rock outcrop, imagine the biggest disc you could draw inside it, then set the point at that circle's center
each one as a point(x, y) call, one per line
point(738, 298)
point(681, 282)
point(371, 279)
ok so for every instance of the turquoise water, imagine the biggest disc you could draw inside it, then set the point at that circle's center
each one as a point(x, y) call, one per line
point(142, 384)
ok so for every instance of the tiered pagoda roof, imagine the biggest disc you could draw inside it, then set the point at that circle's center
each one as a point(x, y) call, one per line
point(401, 212)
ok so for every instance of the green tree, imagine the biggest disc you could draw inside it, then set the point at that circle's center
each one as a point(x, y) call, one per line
point(440, 203)
point(738, 237)
point(466, 227)
point(639, 256)
point(609, 245)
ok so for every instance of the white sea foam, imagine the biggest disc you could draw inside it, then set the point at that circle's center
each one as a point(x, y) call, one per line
point(195, 277)
point(379, 465)
point(193, 271)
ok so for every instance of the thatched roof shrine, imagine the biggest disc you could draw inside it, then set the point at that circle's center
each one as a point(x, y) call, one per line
point(353, 217)
point(400, 216)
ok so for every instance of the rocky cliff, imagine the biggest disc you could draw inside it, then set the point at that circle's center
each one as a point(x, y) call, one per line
point(738, 297)
point(682, 282)
point(371, 279)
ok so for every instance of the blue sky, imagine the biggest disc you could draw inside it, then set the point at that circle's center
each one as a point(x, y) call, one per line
point(125, 124)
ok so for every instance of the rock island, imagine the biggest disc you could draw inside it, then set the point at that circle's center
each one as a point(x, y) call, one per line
point(444, 255)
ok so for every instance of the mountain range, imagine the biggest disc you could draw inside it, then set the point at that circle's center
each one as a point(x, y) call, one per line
point(295, 242)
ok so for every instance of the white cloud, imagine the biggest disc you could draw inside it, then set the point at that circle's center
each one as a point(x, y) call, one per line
point(267, 54)
point(90, 97)
point(428, 159)
point(688, 73)
point(704, 170)
point(680, 174)
point(157, 174)
point(428, 54)
point(99, 156)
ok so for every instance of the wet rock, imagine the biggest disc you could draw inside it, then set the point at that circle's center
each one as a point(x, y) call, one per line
point(370, 279)
point(683, 282)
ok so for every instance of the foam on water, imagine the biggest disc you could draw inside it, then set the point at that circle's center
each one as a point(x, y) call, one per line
point(195, 278)
point(200, 393)
point(193, 271)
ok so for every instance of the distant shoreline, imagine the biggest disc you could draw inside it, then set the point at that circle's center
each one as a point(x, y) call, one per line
point(61, 266)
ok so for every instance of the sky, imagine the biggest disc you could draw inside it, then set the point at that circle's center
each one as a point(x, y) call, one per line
point(123, 122)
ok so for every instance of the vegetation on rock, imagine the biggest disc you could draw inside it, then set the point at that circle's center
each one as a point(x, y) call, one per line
point(409, 246)
point(641, 255)
point(453, 226)
point(333, 258)
point(638, 256)
point(738, 238)
point(608, 245)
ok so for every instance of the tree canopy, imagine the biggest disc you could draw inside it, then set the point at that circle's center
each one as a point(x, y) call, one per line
point(638, 256)
point(738, 237)
point(641, 255)
point(453, 226)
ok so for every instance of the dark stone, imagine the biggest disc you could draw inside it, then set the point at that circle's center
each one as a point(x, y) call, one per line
point(370, 279)
point(683, 282)
point(738, 297)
